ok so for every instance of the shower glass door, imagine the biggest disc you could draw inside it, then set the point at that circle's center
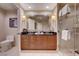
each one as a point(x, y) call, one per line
point(76, 27)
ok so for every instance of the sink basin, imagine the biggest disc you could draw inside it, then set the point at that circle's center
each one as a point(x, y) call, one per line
point(39, 33)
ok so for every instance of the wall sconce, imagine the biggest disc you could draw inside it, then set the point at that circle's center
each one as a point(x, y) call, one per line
point(53, 17)
point(23, 18)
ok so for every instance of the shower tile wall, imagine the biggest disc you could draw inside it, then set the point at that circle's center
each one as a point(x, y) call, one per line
point(67, 22)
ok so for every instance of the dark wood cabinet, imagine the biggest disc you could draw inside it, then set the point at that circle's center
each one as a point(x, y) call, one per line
point(38, 42)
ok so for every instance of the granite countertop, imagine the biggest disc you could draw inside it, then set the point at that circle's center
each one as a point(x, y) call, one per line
point(53, 33)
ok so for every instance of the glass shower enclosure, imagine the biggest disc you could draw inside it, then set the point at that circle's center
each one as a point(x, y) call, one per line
point(68, 27)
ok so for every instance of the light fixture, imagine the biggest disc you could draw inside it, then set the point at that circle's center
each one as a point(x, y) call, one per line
point(29, 7)
point(53, 17)
point(24, 17)
point(47, 7)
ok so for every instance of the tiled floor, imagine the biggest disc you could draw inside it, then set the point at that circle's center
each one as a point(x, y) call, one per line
point(39, 53)
point(46, 53)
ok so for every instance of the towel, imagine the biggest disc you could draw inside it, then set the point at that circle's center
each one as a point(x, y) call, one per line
point(65, 34)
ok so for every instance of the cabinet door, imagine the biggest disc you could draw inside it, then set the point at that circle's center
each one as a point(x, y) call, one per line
point(36, 42)
point(24, 42)
point(39, 42)
point(44, 42)
point(32, 42)
point(52, 43)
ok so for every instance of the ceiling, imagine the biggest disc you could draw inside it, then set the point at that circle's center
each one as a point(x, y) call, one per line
point(29, 6)
point(8, 6)
point(32, 9)
point(38, 6)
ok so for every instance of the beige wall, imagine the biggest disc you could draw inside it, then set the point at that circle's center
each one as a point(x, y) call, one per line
point(10, 31)
point(2, 25)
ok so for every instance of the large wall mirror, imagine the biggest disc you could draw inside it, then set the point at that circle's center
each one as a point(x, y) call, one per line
point(40, 22)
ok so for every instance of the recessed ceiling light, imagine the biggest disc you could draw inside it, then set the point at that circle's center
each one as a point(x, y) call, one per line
point(47, 7)
point(29, 7)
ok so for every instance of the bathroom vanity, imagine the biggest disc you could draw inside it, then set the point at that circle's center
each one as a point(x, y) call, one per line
point(39, 41)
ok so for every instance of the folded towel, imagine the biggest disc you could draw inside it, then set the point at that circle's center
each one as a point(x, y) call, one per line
point(65, 34)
